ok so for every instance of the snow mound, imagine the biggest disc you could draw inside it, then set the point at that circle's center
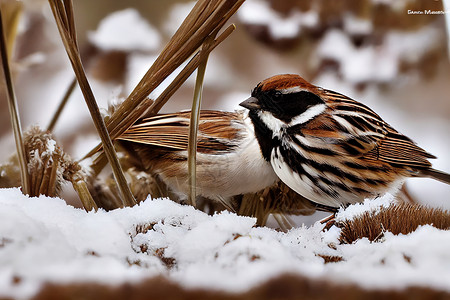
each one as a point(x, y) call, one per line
point(45, 240)
point(260, 13)
point(125, 30)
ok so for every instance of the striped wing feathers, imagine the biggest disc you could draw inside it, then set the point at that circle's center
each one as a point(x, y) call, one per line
point(399, 149)
point(351, 128)
point(216, 131)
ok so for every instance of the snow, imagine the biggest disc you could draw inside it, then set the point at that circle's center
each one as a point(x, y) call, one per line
point(45, 240)
point(125, 30)
point(368, 63)
point(51, 146)
point(260, 13)
point(399, 5)
point(177, 14)
point(355, 25)
point(369, 205)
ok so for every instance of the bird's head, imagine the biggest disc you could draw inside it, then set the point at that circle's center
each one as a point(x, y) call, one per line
point(284, 101)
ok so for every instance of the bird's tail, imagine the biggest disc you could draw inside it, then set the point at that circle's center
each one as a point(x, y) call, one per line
point(436, 174)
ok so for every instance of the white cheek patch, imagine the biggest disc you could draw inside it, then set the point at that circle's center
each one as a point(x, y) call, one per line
point(308, 114)
point(277, 126)
point(274, 124)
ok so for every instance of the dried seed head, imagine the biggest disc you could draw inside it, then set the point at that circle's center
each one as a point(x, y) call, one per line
point(47, 163)
point(399, 218)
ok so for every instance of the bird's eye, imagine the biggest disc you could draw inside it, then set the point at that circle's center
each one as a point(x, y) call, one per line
point(277, 96)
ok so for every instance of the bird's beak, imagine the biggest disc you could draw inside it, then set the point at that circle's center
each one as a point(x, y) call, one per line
point(251, 103)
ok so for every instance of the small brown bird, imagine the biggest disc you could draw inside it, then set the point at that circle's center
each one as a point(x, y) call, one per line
point(229, 160)
point(329, 148)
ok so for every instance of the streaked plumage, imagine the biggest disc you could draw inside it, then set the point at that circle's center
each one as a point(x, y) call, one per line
point(329, 148)
point(229, 161)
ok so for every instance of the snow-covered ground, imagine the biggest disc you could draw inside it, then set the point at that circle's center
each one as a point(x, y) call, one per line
point(45, 240)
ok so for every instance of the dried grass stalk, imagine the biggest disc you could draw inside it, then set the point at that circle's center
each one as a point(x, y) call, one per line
point(194, 123)
point(206, 19)
point(11, 13)
point(49, 168)
point(62, 104)
point(63, 13)
point(13, 110)
point(197, 31)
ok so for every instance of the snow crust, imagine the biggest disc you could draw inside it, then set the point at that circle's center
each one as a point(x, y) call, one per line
point(45, 240)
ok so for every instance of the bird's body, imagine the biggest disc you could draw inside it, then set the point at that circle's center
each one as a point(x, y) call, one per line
point(329, 148)
point(229, 161)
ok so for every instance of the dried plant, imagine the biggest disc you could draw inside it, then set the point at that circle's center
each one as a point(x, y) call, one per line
point(62, 104)
point(205, 20)
point(401, 218)
point(196, 37)
point(279, 200)
point(12, 101)
point(198, 31)
point(193, 127)
point(49, 168)
point(63, 13)
point(46, 163)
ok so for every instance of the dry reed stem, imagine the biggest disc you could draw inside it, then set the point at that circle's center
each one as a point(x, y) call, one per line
point(62, 104)
point(85, 196)
point(194, 123)
point(13, 111)
point(206, 19)
point(63, 13)
point(148, 107)
point(12, 12)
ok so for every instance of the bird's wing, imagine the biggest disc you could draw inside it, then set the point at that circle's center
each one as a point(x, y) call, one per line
point(350, 128)
point(216, 133)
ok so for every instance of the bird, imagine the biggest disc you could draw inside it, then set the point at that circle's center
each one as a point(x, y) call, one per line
point(231, 170)
point(229, 160)
point(329, 148)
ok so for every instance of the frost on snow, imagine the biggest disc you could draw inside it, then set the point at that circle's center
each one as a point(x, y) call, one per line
point(45, 240)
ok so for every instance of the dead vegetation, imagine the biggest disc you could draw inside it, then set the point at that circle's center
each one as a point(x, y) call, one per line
point(401, 218)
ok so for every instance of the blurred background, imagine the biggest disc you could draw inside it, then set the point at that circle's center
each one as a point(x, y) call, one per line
point(386, 54)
